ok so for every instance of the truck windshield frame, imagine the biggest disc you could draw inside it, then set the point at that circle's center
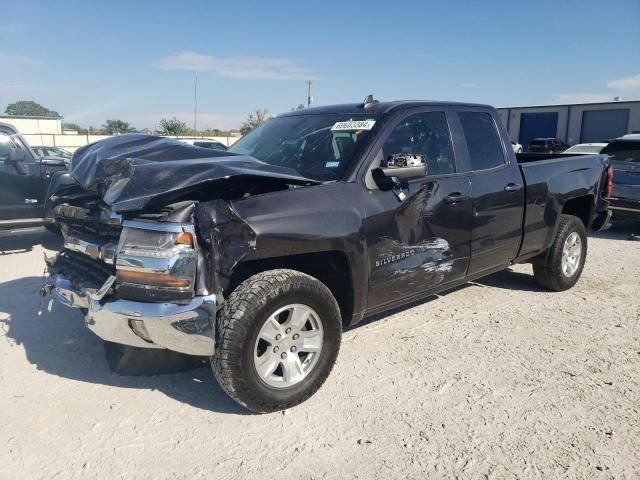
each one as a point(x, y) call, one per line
point(308, 144)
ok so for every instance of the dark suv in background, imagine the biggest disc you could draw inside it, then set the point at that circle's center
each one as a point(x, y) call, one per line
point(624, 153)
point(547, 145)
point(24, 181)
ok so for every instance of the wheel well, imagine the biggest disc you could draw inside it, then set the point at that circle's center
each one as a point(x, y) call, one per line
point(579, 207)
point(331, 268)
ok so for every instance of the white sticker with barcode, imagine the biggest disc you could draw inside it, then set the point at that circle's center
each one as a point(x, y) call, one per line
point(353, 125)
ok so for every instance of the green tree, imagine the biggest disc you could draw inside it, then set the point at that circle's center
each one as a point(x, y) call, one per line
point(117, 127)
point(254, 120)
point(299, 107)
point(74, 126)
point(29, 108)
point(173, 126)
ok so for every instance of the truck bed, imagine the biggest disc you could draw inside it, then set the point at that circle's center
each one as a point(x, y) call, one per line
point(536, 157)
point(551, 179)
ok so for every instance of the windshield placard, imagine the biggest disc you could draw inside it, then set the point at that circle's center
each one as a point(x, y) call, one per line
point(352, 125)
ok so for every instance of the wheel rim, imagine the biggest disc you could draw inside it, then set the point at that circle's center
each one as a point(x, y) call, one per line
point(288, 346)
point(571, 254)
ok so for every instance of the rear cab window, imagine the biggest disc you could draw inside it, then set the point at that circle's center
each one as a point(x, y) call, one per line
point(483, 141)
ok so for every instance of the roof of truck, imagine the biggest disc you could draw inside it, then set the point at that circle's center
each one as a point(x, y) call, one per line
point(379, 107)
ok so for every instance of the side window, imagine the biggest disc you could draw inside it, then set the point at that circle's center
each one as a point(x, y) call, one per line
point(424, 133)
point(483, 141)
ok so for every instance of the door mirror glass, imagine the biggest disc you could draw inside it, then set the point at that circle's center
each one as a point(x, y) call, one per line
point(400, 166)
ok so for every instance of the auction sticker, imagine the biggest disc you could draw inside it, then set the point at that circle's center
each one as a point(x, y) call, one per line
point(353, 125)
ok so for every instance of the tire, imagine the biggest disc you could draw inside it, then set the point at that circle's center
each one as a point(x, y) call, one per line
point(239, 339)
point(549, 271)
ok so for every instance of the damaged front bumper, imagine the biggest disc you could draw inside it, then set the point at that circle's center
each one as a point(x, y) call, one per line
point(187, 328)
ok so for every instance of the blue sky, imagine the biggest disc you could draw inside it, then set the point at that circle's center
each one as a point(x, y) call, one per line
point(136, 61)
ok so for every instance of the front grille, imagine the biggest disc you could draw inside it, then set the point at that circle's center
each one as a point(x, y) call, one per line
point(81, 270)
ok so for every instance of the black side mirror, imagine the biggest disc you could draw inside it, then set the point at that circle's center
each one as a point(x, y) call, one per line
point(400, 167)
point(16, 155)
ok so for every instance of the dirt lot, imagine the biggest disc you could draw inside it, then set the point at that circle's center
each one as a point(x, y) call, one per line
point(498, 379)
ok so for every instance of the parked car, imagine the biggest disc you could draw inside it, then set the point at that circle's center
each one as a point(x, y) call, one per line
point(547, 145)
point(55, 152)
point(586, 148)
point(204, 143)
point(24, 181)
point(624, 153)
point(517, 148)
point(313, 221)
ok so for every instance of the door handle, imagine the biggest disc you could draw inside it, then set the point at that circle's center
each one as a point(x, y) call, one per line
point(455, 197)
point(513, 187)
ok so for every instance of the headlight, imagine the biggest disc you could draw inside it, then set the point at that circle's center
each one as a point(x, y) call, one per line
point(156, 261)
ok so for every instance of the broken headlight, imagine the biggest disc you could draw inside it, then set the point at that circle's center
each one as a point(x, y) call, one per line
point(156, 261)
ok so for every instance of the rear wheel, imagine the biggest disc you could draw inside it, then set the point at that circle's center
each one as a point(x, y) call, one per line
point(277, 338)
point(562, 266)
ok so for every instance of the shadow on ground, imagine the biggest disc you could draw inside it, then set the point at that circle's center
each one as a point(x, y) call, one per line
point(18, 242)
point(620, 230)
point(59, 343)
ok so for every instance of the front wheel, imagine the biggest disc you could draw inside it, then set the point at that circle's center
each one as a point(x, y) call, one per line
point(277, 338)
point(562, 266)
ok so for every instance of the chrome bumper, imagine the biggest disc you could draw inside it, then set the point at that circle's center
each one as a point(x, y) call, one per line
point(182, 328)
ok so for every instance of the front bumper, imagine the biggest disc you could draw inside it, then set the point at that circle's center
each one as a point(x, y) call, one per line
point(182, 328)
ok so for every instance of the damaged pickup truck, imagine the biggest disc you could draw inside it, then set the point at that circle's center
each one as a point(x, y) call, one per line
point(258, 257)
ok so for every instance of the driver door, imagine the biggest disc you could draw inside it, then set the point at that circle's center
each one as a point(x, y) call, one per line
point(20, 183)
point(419, 238)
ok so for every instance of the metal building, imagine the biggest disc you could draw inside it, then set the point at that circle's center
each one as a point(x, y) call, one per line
point(576, 123)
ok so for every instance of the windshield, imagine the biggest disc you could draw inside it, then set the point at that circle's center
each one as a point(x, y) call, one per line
point(314, 145)
point(584, 149)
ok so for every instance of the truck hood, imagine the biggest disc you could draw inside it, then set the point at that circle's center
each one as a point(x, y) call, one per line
point(133, 172)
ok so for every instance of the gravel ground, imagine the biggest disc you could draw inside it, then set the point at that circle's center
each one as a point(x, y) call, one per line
point(498, 379)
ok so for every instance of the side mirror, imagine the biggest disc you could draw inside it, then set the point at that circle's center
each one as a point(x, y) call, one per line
point(400, 167)
point(16, 155)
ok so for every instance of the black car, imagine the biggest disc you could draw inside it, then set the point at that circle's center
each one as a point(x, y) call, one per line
point(547, 145)
point(24, 181)
point(624, 153)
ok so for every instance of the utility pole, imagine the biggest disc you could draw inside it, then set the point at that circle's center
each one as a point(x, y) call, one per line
point(309, 97)
point(195, 107)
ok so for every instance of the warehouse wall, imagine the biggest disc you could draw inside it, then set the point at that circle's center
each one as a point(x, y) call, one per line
point(569, 124)
point(34, 125)
point(575, 127)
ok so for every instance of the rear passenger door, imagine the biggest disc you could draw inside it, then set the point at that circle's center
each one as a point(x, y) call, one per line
point(497, 190)
point(418, 239)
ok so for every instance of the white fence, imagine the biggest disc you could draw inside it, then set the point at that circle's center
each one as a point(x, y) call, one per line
point(72, 142)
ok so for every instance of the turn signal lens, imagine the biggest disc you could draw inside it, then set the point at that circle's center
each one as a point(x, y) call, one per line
point(150, 278)
point(184, 238)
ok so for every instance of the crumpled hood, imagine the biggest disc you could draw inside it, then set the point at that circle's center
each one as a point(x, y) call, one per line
point(134, 171)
